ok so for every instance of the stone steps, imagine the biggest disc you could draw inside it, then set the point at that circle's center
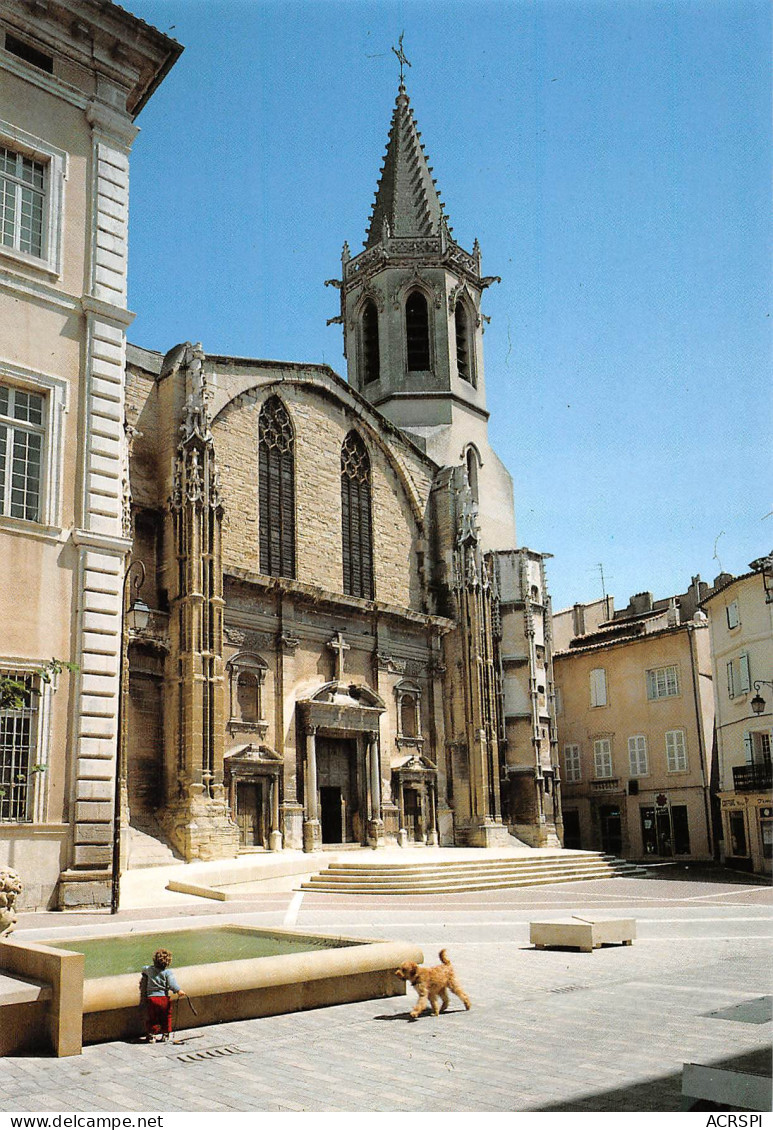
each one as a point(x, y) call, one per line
point(146, 850)
point(473, 875)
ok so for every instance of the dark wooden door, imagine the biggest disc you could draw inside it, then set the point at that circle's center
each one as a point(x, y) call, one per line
point(413, 822)
point(249, 813)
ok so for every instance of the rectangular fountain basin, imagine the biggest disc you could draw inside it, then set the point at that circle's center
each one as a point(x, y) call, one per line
point(230, 972)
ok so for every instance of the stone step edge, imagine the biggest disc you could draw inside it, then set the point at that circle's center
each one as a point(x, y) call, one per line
point(515, 861)
point(366, 872)
point(453, 887)
point(460, 884)
point(453, 873)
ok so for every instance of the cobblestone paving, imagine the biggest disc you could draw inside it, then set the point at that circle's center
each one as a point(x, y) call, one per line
point(549, 1030)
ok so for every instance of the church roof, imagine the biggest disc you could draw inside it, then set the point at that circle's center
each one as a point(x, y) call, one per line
point(406, 197)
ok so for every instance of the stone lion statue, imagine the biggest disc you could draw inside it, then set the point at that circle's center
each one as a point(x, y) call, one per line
point(10, 888)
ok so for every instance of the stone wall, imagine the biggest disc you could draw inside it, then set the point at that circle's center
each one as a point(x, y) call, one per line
point(321, 425)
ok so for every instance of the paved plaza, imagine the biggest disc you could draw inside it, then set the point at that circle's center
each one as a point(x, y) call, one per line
point(549, 1030)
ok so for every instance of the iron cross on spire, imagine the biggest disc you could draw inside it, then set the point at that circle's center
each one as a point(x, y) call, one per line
point(401, 56)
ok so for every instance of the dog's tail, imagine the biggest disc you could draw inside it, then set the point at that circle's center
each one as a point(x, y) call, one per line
point(444, 957)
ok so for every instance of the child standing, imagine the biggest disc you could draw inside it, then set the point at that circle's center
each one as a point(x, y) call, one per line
point(158, 981)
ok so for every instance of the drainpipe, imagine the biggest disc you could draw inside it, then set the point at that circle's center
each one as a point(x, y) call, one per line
point(701, 743)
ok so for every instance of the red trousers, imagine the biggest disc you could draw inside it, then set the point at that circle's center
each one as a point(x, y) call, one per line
point(158, 1016)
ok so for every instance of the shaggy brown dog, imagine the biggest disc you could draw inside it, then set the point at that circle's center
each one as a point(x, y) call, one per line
point(432, 984)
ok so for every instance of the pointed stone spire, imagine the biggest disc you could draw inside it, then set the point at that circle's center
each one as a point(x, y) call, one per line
point(407, 202)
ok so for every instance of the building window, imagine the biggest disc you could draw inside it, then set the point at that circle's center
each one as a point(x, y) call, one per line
point(357, 533)
point(22, 202)
point(739, 675)
point(558, 695)
point(22, 430)
point(29, 53)
point(371, 357)
point(637, 755)
point(32, 175)
point(417, 332)
point(463, 343)
point(766, 836)
point(572, 765)
point(744, 673)
point(602, 757)
point(18, 740)
point(598, 687)
point(730, 680)
point(662, 682)
point(733, 615)
point(471, 460)
point(276, 490)
point(676, 751)
point(757, 747)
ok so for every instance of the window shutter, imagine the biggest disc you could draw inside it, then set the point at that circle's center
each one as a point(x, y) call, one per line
point(744, 668)
point(748, 743)
point(730, 680)
point(598, 685)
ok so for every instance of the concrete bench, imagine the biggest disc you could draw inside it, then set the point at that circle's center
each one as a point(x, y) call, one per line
point(584, 933)
point(736, 1090)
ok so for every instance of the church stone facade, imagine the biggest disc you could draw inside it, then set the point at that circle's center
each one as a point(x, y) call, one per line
point(345, 645)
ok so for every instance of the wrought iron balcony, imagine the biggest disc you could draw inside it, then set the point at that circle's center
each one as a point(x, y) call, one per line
point(755, 778)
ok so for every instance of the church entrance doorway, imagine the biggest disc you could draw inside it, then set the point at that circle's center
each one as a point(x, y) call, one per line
point(250, 815)
point(338, 781)
point(331, 815)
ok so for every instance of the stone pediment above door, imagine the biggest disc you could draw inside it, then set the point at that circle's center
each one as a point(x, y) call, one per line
point(415, 763)
point(252, 756)
point(341, 705)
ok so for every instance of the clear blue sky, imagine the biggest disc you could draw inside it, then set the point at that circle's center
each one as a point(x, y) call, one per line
point(613, 159)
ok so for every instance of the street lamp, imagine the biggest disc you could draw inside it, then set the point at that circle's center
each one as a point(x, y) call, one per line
point(758, 702)
point(137, 617)
point(764, 565)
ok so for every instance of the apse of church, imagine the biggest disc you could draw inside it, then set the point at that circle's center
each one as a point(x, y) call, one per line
point(345, 646)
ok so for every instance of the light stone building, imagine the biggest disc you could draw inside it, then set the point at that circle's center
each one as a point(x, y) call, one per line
point(635, 716)
point(740, 612)
point(341, 641)
point(73, 77)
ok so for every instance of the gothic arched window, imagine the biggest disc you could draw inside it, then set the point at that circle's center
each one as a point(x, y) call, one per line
point(371, 358)
point(471, 460)
point(417, 331)
point(276, 490)
point(357, 535)
point(463, 343)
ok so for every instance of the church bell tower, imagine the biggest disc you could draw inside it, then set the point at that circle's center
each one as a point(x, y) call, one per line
point(413, 328)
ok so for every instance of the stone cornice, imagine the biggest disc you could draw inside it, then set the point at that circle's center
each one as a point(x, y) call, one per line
point(92, 540)
point(318, 595)
point(118, 314)
point(440, 395)
point(113, 124)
